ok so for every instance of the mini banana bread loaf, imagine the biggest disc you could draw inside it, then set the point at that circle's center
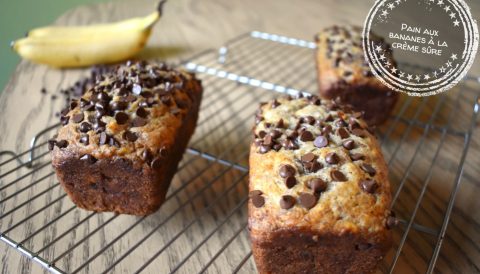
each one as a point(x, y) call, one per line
point(120, 144)
point(319, 194)
point(344, 74)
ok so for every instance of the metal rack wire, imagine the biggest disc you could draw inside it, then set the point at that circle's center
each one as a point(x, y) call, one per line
point(202, 225)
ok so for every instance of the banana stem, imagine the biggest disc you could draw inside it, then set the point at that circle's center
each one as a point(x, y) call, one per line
point(160, 7)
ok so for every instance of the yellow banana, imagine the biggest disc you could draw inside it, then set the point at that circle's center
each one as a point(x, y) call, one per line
point(87, 45)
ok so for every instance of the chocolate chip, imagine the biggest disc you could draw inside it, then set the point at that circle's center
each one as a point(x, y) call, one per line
point(102, 96)
point(312, 166)
point(338, 176)
point(287, 171)
point(343, 133)
point(290, 145)
point(329, 118)
point(139, 122)
point(64, 120)
point(326, 130)
point(84, 140)
point(317, 185)
point(131, 98)
point(391, 222)
point(62, 143)
point(113, 142)
point(290, 181)
point(341, 123)
point(85, 127)
point(264, 149)
point(359, 132)
point(258, 201)
point(141, 112)
point(332, 158)
point(103, 138)
point(146, 94)
point(320, 141)
point(267, 141)
point(77, 118)
point(368, 186)
point(73, 104)
point(368, 169)
point(307, 200)
point(88, 159)
point(348, 144)
point(163, 152)
point(357, 156)
point(121, 118)
point(147, 155)
point(281, 123)
point(275, 104)
point(309, 120)
point(51, 144)
point(136, 89)
point(130, 136)
point(156, 163)
point(309, 157)
point(277, 147)
point(306, 136)
point(275, 133)
point(119, 105)
point(287, 202)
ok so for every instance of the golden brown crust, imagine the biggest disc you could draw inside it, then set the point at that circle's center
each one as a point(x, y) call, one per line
point(343, 207)
point(344, 73)
point(137, 121)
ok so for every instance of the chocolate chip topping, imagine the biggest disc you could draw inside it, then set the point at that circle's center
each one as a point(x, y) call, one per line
point(368, 186)
point(309, 157)
point(320, 141)
point(258, 200)
point(77, 118)
point(130, 136)
point(290, 181)
point(62, 143)
point(51, 144)
point(357, 156)
point(139, 122)
point(103, 138)
point(85, 127)
point(121, 118)
point(141, 112)
point(287, 202)
point(84, 140)
point(317, 185)
point(147, 155)
point(312, 166)
point(88, 159)
point(306, 136)
point(156, 163)
point(343, 133)
point(307, 200)
point(332, 158)
point(391, 222)
point(287, 171)
point(349, 144)
point(338, 176)
point(368, 169)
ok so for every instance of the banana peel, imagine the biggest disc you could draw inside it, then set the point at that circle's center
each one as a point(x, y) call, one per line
point(79, 46)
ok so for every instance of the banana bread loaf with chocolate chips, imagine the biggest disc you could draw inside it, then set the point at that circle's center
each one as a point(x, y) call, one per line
point(319, 192)
point(121, 142)
point(344, 74)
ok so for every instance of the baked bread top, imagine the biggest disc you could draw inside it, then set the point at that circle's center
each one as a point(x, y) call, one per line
point(341, 61)
point(314, 165)
point(132, 112)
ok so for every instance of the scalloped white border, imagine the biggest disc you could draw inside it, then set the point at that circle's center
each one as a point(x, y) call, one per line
point(439, 85)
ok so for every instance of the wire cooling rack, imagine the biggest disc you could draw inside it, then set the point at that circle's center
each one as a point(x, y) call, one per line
point(202, 225)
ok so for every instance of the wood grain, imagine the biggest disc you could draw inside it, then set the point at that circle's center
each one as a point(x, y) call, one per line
point(189, 27)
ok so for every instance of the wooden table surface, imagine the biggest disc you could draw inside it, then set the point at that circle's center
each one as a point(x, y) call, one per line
point(191, 26)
